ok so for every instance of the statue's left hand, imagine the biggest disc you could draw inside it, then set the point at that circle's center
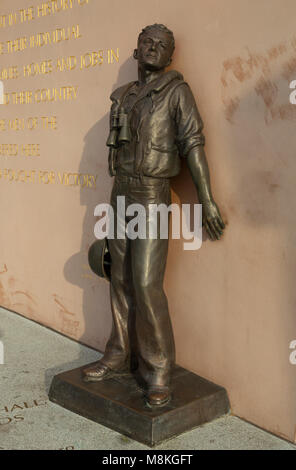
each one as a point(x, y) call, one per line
point(212, 220)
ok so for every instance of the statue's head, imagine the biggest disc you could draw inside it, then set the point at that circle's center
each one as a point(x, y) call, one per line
point(156, 45)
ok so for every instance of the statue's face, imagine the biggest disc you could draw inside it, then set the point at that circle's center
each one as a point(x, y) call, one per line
point(154, 50)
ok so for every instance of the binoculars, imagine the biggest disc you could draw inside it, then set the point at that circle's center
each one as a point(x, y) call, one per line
point(119, 129)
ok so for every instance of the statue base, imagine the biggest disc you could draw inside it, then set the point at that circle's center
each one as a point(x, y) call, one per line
point(118, 402)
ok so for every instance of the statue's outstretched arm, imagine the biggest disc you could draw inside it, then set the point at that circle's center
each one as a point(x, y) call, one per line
point(199, 170)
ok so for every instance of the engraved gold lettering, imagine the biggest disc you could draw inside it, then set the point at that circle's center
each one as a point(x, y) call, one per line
point(21, 97)
point(61, 179)
point(49, 123)
point(30, 175)
point(66, 63)
point(9, 73)
point(10, 150)
point(16, 124)
point(17, 45)
point(53, 6)
point(41, 68)
point(22, 180)
point(32, 123)
point(94, 178)
point(27, 14)
point(91, 59)
point(46, 177)
point(44, 95)
point(12, 19)
point(30, 150)
point(2, 21)
point(112, 55)
point(55, 36)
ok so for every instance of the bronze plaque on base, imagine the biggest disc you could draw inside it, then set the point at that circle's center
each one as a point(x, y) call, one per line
point(118, 403)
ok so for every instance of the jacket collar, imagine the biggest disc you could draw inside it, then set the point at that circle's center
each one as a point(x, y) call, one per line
point(161, 82)
point(156, 85)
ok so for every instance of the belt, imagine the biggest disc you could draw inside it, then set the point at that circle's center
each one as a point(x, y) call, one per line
point(147, 180)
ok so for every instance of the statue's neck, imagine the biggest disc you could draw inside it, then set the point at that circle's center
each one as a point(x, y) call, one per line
point(146, 76)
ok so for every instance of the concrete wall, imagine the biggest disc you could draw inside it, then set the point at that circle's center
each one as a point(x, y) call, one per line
point(232, 302)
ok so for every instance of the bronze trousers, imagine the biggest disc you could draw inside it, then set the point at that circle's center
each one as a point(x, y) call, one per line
point(141, 324)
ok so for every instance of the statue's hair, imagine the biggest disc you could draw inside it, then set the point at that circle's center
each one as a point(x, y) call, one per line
point(159, 27)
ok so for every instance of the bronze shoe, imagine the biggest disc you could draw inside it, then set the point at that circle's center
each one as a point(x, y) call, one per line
point(158, 397)
point(96, 372)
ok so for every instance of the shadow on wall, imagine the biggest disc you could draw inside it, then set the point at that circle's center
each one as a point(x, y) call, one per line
point(96, 309)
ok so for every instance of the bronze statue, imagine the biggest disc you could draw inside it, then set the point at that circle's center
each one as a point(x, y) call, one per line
point(154, 121)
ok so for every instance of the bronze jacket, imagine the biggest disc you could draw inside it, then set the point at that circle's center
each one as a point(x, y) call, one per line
point(164, 125)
